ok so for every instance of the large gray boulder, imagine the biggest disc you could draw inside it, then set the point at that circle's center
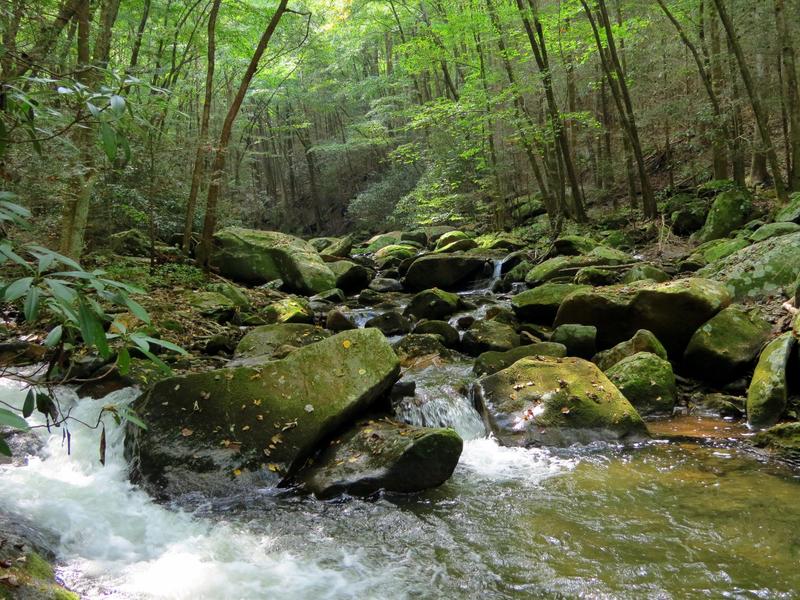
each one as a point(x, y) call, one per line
point(257, 257)
point(445, 271)
point(768, 393)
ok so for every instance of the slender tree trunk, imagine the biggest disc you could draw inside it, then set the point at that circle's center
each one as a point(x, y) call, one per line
point(218, 166)
point(198, 170)
point(792, 92)
point(755, 100)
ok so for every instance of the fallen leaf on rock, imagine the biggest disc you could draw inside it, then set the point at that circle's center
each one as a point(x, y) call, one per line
point(186, 432)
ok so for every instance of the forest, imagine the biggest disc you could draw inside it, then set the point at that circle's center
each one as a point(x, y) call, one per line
point(391, 299)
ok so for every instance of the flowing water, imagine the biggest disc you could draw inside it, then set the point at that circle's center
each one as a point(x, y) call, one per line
point(667, 520)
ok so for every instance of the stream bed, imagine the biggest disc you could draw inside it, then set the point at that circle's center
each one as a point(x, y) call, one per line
point(669, 519)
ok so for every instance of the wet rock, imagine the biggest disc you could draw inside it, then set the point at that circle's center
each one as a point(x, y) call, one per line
point(673, 310)
point(540, 304)
point(492, 362)
point(647, 381)
point(337, 320)
point(444, 271)
point(332, 296)
point(130, 243)
point(782, 440)
point(17, 353)
point(256, 257)
point(773, 230)
point(288, 310)
point(729, 211)
point(370, 297)
point(350, 277)
point(416, 345)
point(485, 336)
point(390, 323)
point(556, 402)
point(264, 341)
point(384, 455)
point(767, 395)
point(642, 341)
point(448, 333)
point(465, 322)
point(726, 345)
point(645, 272)
point(760, 270)
point(230, 429)
point(433, 304)
point(724, 405)
point(383, 285)
point(595, 276)
point(579, 340)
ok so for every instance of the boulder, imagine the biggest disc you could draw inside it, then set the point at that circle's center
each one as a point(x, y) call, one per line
point(257, 257)
point(492, 362)
point(331, 296)
point(130, 243)
point(673, 310)
point(714, 250)
point(595, 276)
point(384, 285)
point(489, 335)
point(444, 271)
point(435, 232)
point(232, 428)
point(382, 240)
point(210, 304)
point(729, 211)
point(417, 345)
point(556, 402)
point(760, 270)
point(791, 212)
point(433, 304)
point(233, 292)
point(449, 237)
point(642, 341)
point(449, 335)
point(385, 455)
point(566, 266)
point(265, 341)
point(390, 323)
point(289, 310)
point(767, 395)
point(647, 381)
point(644, 272)
point(418, 236)
point(782, 440)
point(573, 245)
point(350, 277)
point(499, 241)
point(689, 219)
point(400, 251)
point(540, 304)
point(579, 340)
point(456, 246)
point(338, 247)
point(773, 230)
point(337, 320)
point(726, 345)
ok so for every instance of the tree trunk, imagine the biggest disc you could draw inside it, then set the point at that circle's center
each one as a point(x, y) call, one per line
point(792, 99)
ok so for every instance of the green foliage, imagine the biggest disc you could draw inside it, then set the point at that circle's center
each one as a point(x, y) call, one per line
point(373, 208)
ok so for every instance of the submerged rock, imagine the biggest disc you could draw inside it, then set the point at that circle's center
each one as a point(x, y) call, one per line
point(726, 345)
point(238, 427)
point(647, 381)
point(642, 341)
point(256, 257)
point(673, 310)
point(384, 455)
point(782, 440)
point(759, 270)
point(492, 362)
point(556, 402)
point(768, 394)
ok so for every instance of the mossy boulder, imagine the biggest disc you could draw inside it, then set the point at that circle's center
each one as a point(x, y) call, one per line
point(400, 251)
point(642, 341)
point(130, 243)
point(257, 257)
point(759, 270)
point(566, 266)
point(288, 310)
point(210, 304)
point(729, 211)
point(435, 232)
point(456, 246)
point(726, 345)
point(390, 323)
point(449, 334)
point(673, 310)
point(233, 292)
point(782, 440)
point(445, 271)
point(266, 340)
point(382, 240)
point(332, 296)
point(433, 304)
point(221, 430)
point(418, 345)
point(689, 218)
point(773, 230)
point(540, 304)
point(647, 381)
point(579, 340)
point(338, 247)
point(499, 241)
point(791, 212)
point(418, 236)
point(384, 285)
point(385, 455)
point(350, 277)
point(338, 320)
point(492, 362)
point(595, 276)
point(714, 250)
point(644, 272)
point(573, 245)
point(556, 402)
point(449, 237)
point(767, 395)
point(489, 335)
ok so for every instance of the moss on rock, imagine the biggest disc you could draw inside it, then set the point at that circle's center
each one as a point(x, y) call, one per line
point(730, 210)
point(647, 381)
point(433, 304)
point(768, 394)
point(540, 304)
point(492, 362)
point(642, 341)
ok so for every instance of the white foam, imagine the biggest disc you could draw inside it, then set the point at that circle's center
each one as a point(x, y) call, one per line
point(487, 459)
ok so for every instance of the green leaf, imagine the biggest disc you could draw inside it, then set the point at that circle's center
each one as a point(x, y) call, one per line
point(130, 415)
point(30, 403)
point(31, 306)
point(59, 257)
point(18, 289)
point(124, 361)
point(54, 337)
point(60, 290)
point(92, 329)
point(163, 367)
point(4, 449)
point(167, 345)
point(109, 139)
point(117, 104)
point(11, 419)
point(6, 250)
point(137, 309)
point(141, 341)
